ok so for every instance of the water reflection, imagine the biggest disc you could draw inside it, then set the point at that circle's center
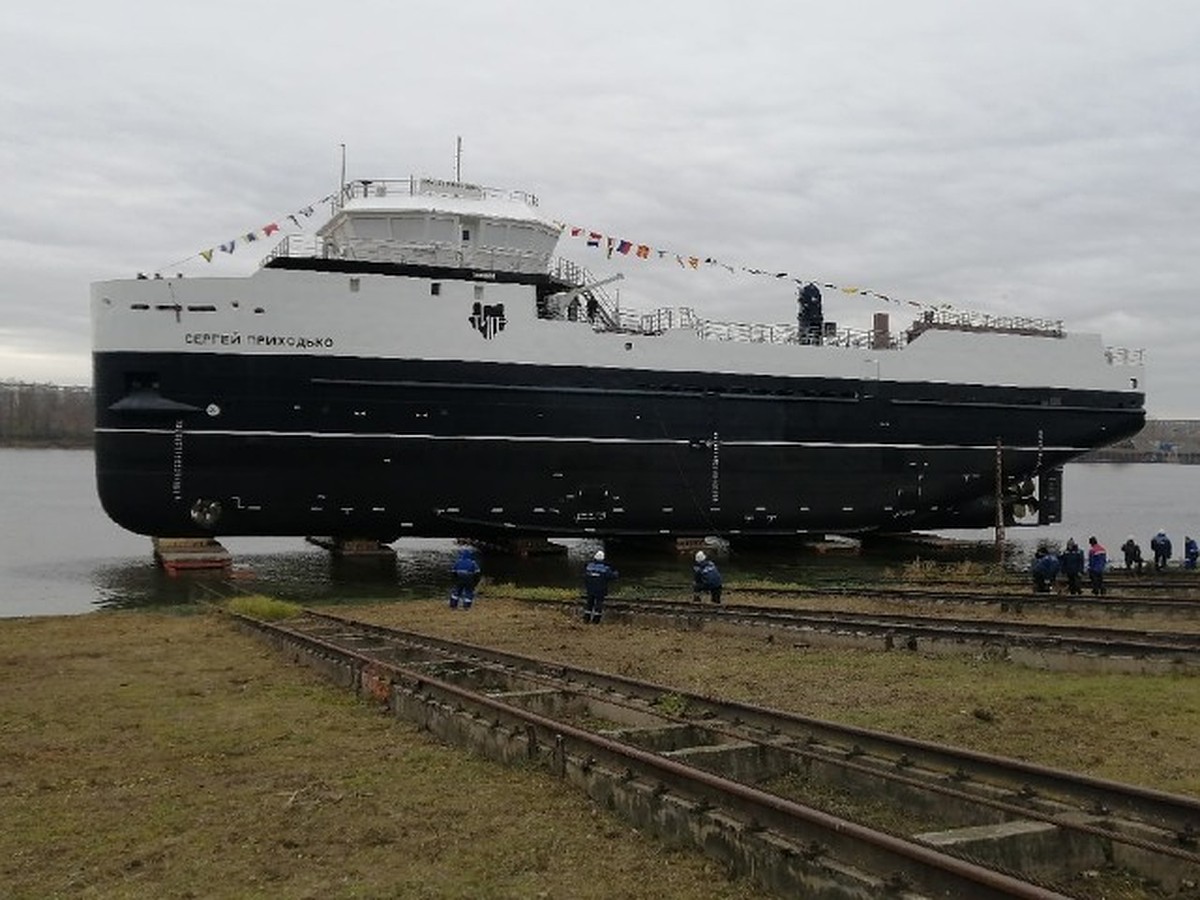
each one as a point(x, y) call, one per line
point(127, 585)
point(307, 576)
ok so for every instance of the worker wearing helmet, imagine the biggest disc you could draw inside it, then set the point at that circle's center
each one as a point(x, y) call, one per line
point(705, 577)
point(596, 576)
point(1160, 546)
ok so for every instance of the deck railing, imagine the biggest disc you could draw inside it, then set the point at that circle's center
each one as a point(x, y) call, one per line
point(296, 245)
point(368, 188)
point(969, 320)
point(866, 339)
point(1123, 356)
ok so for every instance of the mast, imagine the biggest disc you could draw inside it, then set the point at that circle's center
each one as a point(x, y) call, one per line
point(342, 183)
point(458, 160)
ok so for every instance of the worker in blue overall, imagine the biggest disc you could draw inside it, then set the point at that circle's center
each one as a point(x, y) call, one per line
point(1045, 569)
point(467, 572)
point(1191, 552)
point(1072, 562)
point(1160, 546)
point(705, 577)
point(596, 576)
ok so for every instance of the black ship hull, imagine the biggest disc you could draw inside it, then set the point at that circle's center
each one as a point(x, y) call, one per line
point(226, 444)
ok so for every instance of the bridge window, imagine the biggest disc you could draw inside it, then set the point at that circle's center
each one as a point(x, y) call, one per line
point(372, 229)
point(408, 230)
point(442, 229)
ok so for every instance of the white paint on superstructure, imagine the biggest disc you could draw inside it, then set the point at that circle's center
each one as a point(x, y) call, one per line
point(396, 317)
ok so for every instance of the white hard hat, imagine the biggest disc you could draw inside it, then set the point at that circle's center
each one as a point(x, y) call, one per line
point(599, 557)
point(700, 557)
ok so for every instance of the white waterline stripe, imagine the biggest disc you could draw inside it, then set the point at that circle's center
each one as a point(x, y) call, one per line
point(548, 439)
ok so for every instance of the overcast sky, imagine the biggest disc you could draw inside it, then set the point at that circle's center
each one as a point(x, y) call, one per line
point(1015, 157)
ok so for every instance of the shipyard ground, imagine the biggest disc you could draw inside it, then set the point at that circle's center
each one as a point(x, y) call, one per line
point(143, 753)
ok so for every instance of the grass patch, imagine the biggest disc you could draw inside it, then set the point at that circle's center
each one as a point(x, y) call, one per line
point(964, 571)
point(262, 607)
point(672, 704)
point(513, 592)
point(764, 584)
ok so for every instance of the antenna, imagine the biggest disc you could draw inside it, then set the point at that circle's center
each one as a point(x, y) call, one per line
point(342, 183)
point(458, 160)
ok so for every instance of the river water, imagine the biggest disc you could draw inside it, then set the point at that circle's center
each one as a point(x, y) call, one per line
point(59, 553)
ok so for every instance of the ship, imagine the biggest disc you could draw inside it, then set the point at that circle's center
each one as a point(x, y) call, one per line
point(423, 364)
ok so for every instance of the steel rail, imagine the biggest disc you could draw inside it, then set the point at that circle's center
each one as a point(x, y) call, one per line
point(983, 594)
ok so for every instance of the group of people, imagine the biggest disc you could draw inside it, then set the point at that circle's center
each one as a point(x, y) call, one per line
point(1161, 549)
point(597, 575)
point(1072, 562)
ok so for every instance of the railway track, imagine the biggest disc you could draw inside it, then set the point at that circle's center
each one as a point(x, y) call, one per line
point(1116, 603)
point(802, 805)
point(1039, 644)
point(1185, 585)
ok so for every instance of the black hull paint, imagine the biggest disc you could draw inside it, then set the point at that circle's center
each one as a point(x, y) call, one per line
point(386, 448)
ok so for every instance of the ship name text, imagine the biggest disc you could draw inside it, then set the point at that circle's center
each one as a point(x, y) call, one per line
point(237, 339)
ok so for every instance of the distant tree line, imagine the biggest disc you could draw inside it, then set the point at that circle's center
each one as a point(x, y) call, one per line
point(45, 415)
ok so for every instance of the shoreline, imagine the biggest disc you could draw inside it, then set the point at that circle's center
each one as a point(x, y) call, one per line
point(54, 444)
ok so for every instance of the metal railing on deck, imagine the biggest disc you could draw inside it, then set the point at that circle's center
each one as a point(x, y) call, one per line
point(656, 322)
point(790, 334)
point(296, 245)
point(969, 320)
point(1123, 356)
point(752, 333)
point(367, 188)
